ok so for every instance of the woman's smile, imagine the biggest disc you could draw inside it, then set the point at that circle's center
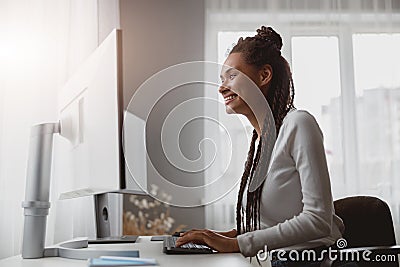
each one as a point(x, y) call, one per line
point(229, 98)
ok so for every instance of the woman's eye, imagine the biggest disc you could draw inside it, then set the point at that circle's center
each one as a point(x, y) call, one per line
point(232, 76)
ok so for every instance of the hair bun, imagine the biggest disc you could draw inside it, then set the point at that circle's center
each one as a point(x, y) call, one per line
point(270, 35)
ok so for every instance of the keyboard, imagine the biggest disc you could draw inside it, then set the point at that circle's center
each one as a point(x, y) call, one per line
point(169, 247)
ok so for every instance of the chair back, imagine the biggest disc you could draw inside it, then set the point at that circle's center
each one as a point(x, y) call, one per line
point(367, 220)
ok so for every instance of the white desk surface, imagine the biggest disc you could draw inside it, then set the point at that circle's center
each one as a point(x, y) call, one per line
point(148, 249)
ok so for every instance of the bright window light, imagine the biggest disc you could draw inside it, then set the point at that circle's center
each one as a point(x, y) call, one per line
point(376, 61)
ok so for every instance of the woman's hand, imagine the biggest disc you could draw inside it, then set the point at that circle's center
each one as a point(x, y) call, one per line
point(232, 233)
point(212, 239)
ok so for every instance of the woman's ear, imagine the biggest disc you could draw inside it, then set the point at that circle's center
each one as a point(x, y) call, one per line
point(265, 75)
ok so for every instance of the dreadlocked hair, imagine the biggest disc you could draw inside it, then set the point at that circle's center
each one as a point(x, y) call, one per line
point(262, 49)
point(265, 49)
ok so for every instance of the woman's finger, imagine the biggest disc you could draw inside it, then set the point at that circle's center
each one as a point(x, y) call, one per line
point(180, 241)
point(194, 237)
point(186, 238)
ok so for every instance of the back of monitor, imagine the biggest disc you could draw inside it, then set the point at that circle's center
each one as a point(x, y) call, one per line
point(90, 159)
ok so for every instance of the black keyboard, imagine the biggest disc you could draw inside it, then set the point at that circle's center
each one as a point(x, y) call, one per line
point(169, 247)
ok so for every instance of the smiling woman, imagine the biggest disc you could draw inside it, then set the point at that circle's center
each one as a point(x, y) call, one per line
point(291, 206)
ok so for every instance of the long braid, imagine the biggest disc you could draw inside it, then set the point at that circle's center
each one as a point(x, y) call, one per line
point(290, 104)
point(252, 203)
point(264, 48)
point(245, 176)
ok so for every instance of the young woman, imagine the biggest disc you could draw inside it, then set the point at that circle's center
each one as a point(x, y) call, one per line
point(292, 208)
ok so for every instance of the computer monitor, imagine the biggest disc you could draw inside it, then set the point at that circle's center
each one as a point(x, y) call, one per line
point(91, 116)
point(135, 155)
point(90, 159)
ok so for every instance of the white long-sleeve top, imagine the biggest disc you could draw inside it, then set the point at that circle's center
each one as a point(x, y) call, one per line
point(296, 207)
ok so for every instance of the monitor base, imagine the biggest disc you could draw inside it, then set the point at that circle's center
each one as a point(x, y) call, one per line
point(75, 249)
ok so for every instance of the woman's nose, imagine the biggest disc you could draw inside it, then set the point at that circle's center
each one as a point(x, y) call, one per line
point(222, 88)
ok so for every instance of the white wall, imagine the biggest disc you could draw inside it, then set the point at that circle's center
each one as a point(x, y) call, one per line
point(156, 35)
point(42, 43)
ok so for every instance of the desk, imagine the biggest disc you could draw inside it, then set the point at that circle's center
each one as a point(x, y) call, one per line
point(148, 249)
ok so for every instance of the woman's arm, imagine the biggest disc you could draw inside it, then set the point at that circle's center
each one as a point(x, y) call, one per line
point(232, 233)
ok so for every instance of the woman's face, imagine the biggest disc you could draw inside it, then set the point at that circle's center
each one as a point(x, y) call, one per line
point(238, 79)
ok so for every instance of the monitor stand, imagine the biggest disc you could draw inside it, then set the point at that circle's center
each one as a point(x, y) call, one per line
point(75, 249)
point(102, 207)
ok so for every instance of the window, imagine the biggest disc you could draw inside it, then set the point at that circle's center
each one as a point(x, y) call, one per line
point(316, 75)
point(377, 87)
point(376, 61)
